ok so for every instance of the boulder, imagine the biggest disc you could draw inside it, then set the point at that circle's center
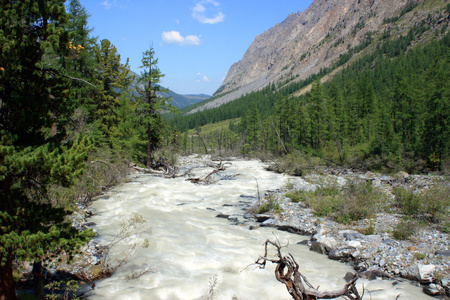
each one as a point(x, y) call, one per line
point(411, 273)
point(344, 254)
point(269, 223)
point(426, 273)
point(433, 289)
point(262, 217)
point(354, 244)
point(304, 243)
point(319, 248)
point(329, 242)
point(445, 282)
point(221, 215)
point(352, 236)
point(443, 252)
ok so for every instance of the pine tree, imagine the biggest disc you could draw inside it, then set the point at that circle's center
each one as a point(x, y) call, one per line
point(153, 103)
point(34, 108)
point(317, 114)
point(81, 61)
point(114, 80)
point(436, 131)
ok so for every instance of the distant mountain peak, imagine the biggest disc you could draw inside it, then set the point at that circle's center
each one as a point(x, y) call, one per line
point(305, 42)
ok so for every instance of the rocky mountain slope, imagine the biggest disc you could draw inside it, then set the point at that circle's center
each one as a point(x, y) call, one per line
point(306, 42)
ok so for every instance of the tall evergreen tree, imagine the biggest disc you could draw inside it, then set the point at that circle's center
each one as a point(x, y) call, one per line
point(114, 80)
point(34, 107)
point(153, 103)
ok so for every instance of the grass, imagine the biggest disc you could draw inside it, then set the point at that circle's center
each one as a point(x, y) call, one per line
point(357, 200)
point(270, 204)
point(431, 205)
point(216, 127)
point(404, 229)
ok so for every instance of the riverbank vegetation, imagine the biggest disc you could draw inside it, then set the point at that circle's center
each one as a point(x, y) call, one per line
point(72, 118)
point(360, 199)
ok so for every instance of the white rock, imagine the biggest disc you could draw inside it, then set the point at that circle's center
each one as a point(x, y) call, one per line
point(329, 242)
point(354, 244)
point(426, 273)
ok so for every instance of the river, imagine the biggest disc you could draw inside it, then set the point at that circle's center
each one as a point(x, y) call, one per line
point(189, 247)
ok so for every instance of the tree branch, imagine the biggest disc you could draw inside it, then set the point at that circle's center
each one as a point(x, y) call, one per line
point(287, 272)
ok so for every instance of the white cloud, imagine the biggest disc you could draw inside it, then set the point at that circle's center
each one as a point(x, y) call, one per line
point(112, 3)
point(203, 78)
point(174, 37)
point(198, 12)
point(106, 4)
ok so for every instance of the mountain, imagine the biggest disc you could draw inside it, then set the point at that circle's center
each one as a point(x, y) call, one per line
point(178, 100)
point(182, 101)
point(307, 42)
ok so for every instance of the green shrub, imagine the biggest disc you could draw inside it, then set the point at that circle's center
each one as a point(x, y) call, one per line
point(408, 202)
point(419, 256)
point(435, 203)
point(270, 204)
point(369, 230)
point(298, 196)
point(404, 229)
point(357, 200)
point(430, 205)
point(360, 201)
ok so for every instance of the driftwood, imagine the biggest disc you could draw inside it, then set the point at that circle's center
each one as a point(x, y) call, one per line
point(161, 167)
point(206, 179)
point(287, 272)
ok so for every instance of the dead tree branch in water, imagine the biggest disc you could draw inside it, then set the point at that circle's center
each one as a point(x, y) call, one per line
point(287, 272)
point(206, 179)
point(161, 167)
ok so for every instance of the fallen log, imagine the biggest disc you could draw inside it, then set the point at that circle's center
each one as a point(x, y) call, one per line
point(287, 272)
point(206, 179)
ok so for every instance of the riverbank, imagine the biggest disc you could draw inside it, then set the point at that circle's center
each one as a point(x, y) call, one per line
point(368, 244)
point(421, 258)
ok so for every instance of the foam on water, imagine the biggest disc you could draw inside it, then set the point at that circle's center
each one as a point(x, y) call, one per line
point(189, 245)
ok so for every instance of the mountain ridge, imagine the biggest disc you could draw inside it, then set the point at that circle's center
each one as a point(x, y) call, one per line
point(306, 42)
point(178, 100)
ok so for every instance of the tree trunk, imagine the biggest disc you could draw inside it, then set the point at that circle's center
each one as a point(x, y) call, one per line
point(7, 290)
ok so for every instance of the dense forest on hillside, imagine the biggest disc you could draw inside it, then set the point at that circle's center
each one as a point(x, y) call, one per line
point(387, 109)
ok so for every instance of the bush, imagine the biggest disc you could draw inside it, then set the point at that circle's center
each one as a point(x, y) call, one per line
point(361, 201)
point(408, 202)
point(357, 200)
point(271, 204)
point(369, 230)
point(404, 229)
point(431, 205)
point(298, 196)
point(296, 164)
point(436, 203)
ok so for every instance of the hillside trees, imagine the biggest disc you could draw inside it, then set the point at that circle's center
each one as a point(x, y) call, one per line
point(386, 110)
point(34, 109)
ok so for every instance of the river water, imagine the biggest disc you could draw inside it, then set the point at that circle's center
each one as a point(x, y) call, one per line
point(189, 247)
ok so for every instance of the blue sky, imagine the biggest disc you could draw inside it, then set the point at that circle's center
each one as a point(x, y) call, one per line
point(196, 41)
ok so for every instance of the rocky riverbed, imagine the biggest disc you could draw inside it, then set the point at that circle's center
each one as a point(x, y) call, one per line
point(424, 258)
